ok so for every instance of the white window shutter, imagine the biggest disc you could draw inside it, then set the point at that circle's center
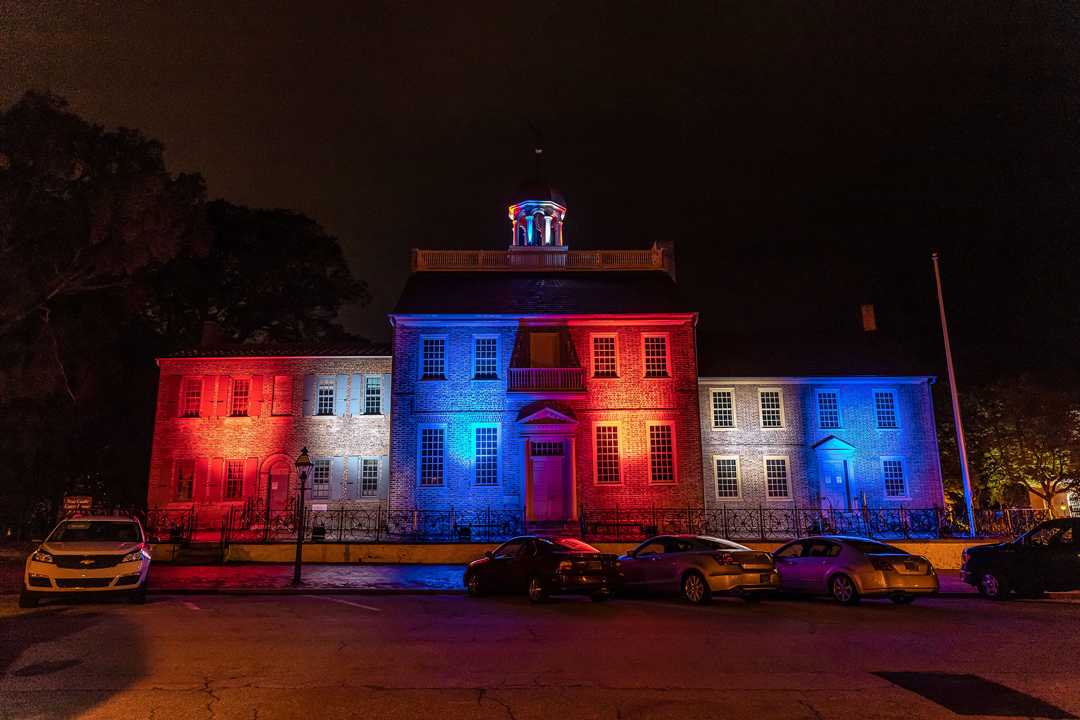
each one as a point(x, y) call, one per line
point(356, 396)
point(385, 395)
point(251, 477)
point(224, 396)
point(206, 399)
point(214, 490)
point(384, 477)
point(309, 395)
point(352, 486)
point(202, 479)
point(339, 395)
point(337, 474)
point(255, 396)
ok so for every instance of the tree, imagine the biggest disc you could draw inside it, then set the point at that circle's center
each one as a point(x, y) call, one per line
point(1025, 434)
point(269, 275)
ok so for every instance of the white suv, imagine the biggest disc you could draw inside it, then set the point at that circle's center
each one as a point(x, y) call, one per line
point(94, 553)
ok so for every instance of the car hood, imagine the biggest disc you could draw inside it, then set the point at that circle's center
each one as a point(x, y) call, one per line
point(86, 548)
point(976, 549)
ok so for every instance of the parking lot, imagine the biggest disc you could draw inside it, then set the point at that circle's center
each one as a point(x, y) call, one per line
point(400, 656)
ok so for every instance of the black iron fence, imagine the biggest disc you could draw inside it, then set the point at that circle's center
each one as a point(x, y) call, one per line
point(373, 523)
point(765, 523)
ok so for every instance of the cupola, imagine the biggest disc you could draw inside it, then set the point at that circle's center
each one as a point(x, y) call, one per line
point(537, 213)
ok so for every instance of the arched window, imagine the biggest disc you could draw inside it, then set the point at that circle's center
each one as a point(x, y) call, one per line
point(538, 228)
point(1074, 503)
point(522, 234)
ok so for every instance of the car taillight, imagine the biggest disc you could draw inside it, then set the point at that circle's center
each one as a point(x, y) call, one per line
point(882, 564)
point(964, 557)
point(565, 566)
point(726, 559)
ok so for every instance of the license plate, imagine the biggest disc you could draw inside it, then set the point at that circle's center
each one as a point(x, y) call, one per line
point(765, 577)
point(911, 566)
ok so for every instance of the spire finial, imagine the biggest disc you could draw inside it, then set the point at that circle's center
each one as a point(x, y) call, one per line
point(538, 150)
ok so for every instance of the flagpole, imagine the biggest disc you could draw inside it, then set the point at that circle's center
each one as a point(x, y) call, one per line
point(960, 443)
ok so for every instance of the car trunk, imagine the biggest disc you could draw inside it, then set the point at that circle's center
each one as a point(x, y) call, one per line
point(905, 564)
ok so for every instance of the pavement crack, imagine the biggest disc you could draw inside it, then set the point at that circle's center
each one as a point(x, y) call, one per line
point(211, 697)
point(482, 695)
point(813, 710)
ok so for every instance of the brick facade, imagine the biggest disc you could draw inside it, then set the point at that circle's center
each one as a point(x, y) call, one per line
point(858, 445)
point(263, 444)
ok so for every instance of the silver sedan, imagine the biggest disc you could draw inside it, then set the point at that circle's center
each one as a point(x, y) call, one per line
point(697, 566)
point(849, 568)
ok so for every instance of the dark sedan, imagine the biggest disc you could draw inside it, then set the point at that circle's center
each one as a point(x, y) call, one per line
point(543, 566)
point(1047, 557)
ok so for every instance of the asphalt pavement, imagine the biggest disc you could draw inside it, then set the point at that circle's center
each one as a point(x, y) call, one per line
point(450, 656)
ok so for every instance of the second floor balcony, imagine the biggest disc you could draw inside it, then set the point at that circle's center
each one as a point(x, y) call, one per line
point(547, 379)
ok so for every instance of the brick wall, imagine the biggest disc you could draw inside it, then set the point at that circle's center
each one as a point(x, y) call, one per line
point(278, 424)
point(914, 442)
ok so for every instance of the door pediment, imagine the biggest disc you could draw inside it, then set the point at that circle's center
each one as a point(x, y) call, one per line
point(833, 444)
point(546, 414)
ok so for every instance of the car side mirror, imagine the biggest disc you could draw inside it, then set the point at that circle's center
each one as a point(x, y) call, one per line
point(631, 554)
point(490, 554)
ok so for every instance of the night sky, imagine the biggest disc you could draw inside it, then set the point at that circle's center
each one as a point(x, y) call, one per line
point(804, 157)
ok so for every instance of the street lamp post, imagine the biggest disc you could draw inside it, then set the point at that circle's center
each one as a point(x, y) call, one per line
point(303, 464)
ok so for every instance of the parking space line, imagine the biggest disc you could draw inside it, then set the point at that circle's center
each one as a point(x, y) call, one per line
point(344, 602)
point(190, 605)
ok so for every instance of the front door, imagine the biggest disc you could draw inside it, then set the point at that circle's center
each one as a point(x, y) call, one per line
point(544, 349)
point(548, 480)
point(834, 485)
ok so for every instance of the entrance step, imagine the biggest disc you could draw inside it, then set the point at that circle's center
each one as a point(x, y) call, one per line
point(199, 554)
point(554, 528)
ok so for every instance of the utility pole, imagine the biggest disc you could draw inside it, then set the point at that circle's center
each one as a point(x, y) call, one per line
point(960, 443)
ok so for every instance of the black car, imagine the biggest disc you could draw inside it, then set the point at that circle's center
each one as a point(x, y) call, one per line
point(543, 566)
point(1047, 557)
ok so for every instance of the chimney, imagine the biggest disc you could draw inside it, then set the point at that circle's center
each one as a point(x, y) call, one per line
point(869, 320)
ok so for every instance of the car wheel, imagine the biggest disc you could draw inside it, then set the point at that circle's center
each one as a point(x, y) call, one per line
point(842, 588)
point(472, 585)
point(993, 586)
point(600, 596)
point(537, 591)
point(28, 599)
point(695, 589)
point(902, 599)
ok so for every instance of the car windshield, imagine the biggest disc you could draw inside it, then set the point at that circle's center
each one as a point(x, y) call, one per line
point(573, 545)
point(95, 531)
point(871, 546)
point(720, 544)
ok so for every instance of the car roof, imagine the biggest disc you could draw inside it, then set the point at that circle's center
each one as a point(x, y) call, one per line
point(99, 518)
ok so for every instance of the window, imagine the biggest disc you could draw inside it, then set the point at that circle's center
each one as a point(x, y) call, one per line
point(192, 397)
point(369, 477)
point(185, 479)
point(885, 409)
point(607, 454)
point(723, 408)
point(605, 360)
point(234, 479)
point(546, 448)
point(241, 391)
point(656, 356)
point(772, 408)
point(776, 477)
point(485, 358)
point(828, 407)
point(325, 399)
point(320, 479)
point(433, 359)
point(431, 455)
point(373, 395)
point(487, 455)
point(727, 476)
point(661, 454)
point(892, 470)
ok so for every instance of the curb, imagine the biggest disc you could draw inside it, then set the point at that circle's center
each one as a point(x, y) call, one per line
point(303, 591)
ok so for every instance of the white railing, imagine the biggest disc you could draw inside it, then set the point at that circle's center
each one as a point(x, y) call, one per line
point(547, 379)
point(443, 260)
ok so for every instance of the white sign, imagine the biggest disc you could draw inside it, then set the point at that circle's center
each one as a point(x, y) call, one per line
point(319, 506)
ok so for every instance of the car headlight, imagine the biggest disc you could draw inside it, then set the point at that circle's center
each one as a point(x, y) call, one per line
point(565, 566)
point(42, 556)
point(132, 556)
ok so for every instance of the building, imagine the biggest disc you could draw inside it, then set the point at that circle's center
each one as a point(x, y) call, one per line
point(231, 420)
point(539, 379)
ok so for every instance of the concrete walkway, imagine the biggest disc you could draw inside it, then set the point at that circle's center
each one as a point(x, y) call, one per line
point(277, 577)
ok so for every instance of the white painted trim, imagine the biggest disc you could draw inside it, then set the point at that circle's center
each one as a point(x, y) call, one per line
point(839, 407)
point(420, 427)
point(595, 453)
point(738, 479)
point(818, 380)
point(674, 451)
point(592, 357)
point(903, 471)
point(667, 355)
point(896, 408)
point(734, 412)
point(498, 357)
point(498, 453)
point(761, 414)
point(514, 319)
point(420, 358)
point(765, 477)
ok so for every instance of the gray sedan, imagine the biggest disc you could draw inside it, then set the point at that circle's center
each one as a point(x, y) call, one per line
point(697, 566)
point(848, 568)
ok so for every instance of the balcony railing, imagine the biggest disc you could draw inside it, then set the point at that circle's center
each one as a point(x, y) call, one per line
point(547, 380)
point(654, 258)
